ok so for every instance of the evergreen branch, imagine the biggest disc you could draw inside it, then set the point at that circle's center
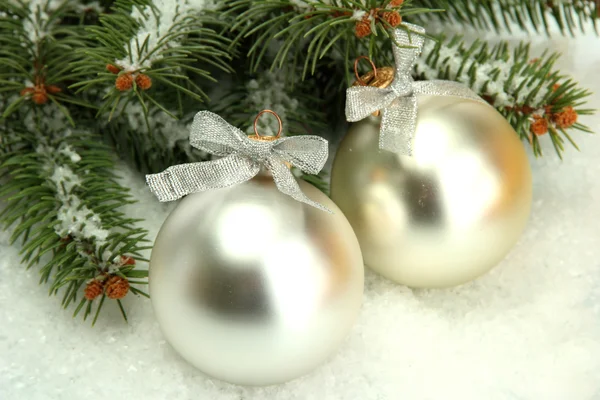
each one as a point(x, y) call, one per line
point(146, 44)
point(528, 15)
point(535, 98)
point(152, 140)
point(308, 32)
point(37, 53)
point(62, 202)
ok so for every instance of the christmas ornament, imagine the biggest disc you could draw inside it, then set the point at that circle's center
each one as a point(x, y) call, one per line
point(251, 281)
point(454, 193)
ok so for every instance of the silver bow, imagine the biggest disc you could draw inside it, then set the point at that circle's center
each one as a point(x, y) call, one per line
point(242, 160)
point(398, 102)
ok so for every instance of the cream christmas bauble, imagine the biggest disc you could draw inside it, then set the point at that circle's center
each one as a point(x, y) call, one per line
point(450, 212)
point(254, 287)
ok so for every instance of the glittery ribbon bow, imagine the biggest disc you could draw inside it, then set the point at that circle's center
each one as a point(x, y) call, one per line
point(398, 102)
point(242, 160)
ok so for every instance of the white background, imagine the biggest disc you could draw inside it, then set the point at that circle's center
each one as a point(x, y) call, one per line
point(530, 329)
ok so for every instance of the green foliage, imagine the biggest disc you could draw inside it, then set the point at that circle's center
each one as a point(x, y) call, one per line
point(153, 151)
point(528, 15)
point(307, 35)
point(37, 51)
point(520, 87)
point(62, 202)
point(175, 56)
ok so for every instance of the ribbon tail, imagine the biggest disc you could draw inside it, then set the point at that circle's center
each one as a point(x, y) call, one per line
point(287, 184)
point(309, 153)
point(398, 125)
point(446, 88)
point(180, 180)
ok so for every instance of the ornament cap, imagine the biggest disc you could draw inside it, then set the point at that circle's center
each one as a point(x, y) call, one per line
point(378, 77)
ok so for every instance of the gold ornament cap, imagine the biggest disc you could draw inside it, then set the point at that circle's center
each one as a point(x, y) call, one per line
point(259, 137)
point(378, 77)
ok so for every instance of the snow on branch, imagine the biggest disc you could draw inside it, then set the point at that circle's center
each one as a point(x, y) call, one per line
point(161, 26)
point(76, 219)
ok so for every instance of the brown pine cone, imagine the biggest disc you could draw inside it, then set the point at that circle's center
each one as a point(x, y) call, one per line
point(113, 69)
point(124, 82)
point(396, 3)
point(393, 18)
point(53, 89)
point(143, 81)
point(117, 287)
point(539, 126)
point(39, 97)
point(566, 118)
point(127, 260)
point(93, 289)
point(363, 27)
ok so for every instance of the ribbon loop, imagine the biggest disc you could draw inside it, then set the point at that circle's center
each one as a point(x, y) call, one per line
point(399, 100)
point(242, 160)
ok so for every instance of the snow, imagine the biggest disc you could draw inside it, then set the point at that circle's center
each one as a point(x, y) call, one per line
point(450, 60)
point(38, 27)
point(76, 219)
point(155, 26)
point(528, 330)
point(358, 15)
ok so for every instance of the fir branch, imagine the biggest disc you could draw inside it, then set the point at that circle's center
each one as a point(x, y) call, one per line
point(152, 141)
point(528, 15)
point(142, 47)
point(37, 53)
point(63, 204)
point(308, 31)
point(534, 97)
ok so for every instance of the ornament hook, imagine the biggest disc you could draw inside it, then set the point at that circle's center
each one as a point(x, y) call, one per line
point(257, 136)
point(360, 81)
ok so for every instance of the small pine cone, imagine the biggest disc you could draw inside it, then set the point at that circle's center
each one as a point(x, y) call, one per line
point(39, 97)
point(555, 87)
point(117, 287)
point(113, 69)
point(363, 27)
point(93, 289)
point(53, 89)
point(27, 90)
point(396, 3)
point(124, 82)
point(393, 18)
point(127, 260)
point(143, 81)
point(566, 118)
point(539, 126)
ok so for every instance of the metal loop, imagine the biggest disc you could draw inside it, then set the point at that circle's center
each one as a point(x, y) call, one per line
point(258, 136)
point(358, 78)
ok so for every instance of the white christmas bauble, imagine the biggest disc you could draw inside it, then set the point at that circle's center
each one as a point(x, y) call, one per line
point(253, 287)
point(450, 212)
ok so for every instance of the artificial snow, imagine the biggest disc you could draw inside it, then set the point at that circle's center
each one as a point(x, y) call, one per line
point(156, 24)
point(528, 330)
